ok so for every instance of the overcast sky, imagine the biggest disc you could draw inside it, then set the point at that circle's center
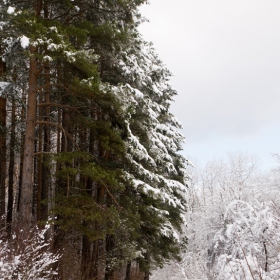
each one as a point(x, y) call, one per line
point(225, 58)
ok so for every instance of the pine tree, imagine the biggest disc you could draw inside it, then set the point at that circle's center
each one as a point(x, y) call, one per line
point(153, 165)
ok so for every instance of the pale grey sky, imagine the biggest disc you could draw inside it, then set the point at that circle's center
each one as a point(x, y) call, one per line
point(225, 58)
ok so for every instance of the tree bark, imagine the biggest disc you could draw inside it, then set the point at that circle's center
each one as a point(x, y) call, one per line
point(127, 272)
point(147, 275)
point(109, 273)
point(89, 266)
point(147, 272)
point(26, 195)
point(47, 136)
point(46, 139)
point(11, 169)
point(23, 112)
point(2, 64)
point(3, 151)
point(95, 259)
point(40, 162)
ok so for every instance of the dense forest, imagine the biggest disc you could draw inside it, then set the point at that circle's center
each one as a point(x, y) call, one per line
point(91, 183)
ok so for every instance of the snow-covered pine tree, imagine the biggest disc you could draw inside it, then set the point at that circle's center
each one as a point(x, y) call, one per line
point(247, 245)
point(156, 170)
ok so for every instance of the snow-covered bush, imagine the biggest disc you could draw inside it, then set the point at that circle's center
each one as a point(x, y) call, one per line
point(233, 222)
point(32, 261)
point(248, 245)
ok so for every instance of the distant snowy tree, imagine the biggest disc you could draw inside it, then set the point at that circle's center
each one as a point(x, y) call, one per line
point(232, 223)
point(248, 244)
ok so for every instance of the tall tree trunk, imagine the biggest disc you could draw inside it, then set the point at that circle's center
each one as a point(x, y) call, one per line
point(11, 169)
point(147, 272)
point(26, 195)
point(90, 187)
point(63, 186)
point(58, 138)
point(95, 259)
point(2, 63)
point(88, 265)
point(35, 174)
point(90, 248)
point(65, 141)
point(109, 273)
point(127, 272)
point(45, 178)
point(40, 161)
point(23, 112)
point(85, 257)
point(46, 166)
point(147, 275)
point(90, 255)
point(47, 136)
point(2, 159)
point(3, 149)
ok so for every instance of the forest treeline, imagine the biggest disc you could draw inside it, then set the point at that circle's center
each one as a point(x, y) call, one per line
point(91, 183)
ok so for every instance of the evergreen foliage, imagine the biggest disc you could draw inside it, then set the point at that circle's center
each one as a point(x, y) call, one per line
point(104, 146)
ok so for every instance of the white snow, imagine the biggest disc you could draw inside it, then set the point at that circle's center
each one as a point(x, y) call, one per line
point(146, 188)
point(33, 262)
point(47, 58)
point(138, 94)
point(53, 28)
point(24, 41)
point(11, 10)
